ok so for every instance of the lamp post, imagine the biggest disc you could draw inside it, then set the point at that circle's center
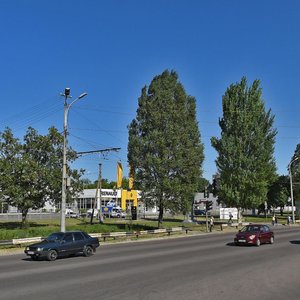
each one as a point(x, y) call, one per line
point(291, 184)
point(67, 107)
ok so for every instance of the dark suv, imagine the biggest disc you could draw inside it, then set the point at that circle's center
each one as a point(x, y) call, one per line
point(63, 244)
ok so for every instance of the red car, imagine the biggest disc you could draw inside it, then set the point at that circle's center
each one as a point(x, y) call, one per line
point(254, 234)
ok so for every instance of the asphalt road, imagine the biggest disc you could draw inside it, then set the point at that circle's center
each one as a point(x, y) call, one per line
point(206, 267)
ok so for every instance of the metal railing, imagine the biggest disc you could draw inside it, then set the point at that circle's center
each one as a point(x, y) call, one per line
point(104, 236)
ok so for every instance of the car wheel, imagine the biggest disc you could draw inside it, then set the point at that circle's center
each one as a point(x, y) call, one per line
point(88, 251)
point(51, 255)
point(257, 242)
point(272, 240)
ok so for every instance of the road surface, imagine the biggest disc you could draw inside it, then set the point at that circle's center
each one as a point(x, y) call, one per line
point(205, 266)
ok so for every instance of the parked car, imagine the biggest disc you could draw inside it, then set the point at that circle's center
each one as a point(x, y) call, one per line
point(199, 212)
point(63, 244)
point(72, 214)
point(254, 234)
point(113, 212)
point(117, 213)
point(90, 211)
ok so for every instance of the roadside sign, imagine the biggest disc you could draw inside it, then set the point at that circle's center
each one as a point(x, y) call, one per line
point(225, 213)
point(106, 210)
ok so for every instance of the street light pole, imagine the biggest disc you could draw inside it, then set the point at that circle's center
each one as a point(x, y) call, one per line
point(291, 184)
point(67, 107)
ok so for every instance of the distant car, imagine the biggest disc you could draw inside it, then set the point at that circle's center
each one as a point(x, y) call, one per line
point(199, 212)
point(113, 212)
point(90, 211)
point(72, 214)
point(63, 244)
point(117, 213)
point(254, 234)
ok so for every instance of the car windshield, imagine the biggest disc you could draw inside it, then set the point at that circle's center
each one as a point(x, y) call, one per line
point(250, 228)
point(55, 236)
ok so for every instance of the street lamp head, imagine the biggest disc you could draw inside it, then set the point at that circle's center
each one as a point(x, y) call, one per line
point(67, 91)
point(82, 95)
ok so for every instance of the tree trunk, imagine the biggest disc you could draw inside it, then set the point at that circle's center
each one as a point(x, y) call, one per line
point(24, 218)
point(161, 215)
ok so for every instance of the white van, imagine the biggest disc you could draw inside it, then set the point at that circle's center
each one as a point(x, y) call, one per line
point(117, 213)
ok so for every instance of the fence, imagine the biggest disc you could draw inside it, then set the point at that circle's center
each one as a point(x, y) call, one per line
point(30, 216)
point(104, 236)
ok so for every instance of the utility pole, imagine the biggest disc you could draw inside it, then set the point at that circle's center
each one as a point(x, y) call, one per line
point(100, 191)
point(65, 178)
point(99, 188)
point(291, 185)
point(99, 184)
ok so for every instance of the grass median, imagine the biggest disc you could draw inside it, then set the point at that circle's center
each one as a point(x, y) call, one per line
point(42, 228)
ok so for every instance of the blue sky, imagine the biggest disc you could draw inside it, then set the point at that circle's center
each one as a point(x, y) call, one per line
point(111, 49)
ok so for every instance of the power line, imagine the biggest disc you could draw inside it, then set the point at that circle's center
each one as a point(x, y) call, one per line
point(98, 151)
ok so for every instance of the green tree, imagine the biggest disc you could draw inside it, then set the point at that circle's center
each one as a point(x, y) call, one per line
point(295, 169)
point(31, 171)
point(164, 146)
point(245, 159)
point(105, 183)
point(279, 192)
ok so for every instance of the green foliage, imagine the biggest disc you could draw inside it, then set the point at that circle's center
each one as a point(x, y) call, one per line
point(203, 183)
point(245, 159)
point(279, 192)
point(164, 145)
point(295, 169)
point(12, 230)
point(30, 171)
point(105, 184)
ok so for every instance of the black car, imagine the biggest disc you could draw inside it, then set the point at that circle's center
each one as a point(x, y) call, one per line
point(63, 244)
point(199, 212)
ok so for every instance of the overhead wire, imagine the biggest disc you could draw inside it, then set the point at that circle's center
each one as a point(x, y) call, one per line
point(31, 115)
point(97, 126)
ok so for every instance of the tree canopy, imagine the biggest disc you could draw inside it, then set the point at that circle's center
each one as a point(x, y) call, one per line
point(105, 183)
point(164, 148)
point(295, 170)
point(279, 192)
point(31, 171)
point(245, 149)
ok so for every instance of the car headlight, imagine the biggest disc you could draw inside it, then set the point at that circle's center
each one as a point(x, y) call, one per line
point(39, 249)
point(27, 248)
point(252, 237)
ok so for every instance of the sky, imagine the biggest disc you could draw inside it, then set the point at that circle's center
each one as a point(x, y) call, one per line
point(112, 49)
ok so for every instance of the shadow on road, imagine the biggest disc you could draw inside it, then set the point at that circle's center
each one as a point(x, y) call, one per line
point(231, 244)
point(295, 242)
point(69, 257)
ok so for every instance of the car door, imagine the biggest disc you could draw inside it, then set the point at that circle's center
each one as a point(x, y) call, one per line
point(267, 234)
point(263, 234)
point(79, 241)
point(67, 245)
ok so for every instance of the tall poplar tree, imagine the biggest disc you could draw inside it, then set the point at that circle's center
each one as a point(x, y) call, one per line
point(245, 159)
point(165, 148)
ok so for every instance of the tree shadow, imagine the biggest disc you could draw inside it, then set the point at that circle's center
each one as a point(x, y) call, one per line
point(122, 226)
point(18, 225)
point(295, 242)
point(155, 219)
